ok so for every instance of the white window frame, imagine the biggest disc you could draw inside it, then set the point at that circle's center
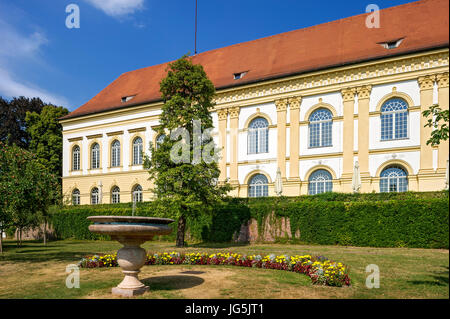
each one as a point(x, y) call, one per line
point(259, 131)
point(115, 195)
point(138, 149)
point(137, 194)
point(76, 151)
point(95, 196)
point(115, 153)
point(95, 156)
point(395, 114)
point(320, 122)
point(76, 197)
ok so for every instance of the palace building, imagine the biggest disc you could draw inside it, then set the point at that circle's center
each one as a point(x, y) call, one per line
point(321, 104)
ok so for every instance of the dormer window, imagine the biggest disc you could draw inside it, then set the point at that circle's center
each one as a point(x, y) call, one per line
point(391, 44)
point(127, 98)
point(239, 75)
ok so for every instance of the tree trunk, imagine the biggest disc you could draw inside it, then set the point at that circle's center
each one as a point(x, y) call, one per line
point(45, 232)
point(19, 237)
point(180, 231)
point(1, 240)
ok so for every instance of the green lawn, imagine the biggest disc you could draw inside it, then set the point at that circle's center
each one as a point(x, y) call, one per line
point(38, 271)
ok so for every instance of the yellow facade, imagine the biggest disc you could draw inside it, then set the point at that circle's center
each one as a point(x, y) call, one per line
point(355, 84)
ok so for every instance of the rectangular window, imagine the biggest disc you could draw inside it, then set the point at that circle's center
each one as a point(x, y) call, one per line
point(327, 133)
point(137, 154)
point(263, 140)
point(386, 127)
point(401, 125)
point(76, 161)
point(252, 142)
point(314, 135)
point(95, 159)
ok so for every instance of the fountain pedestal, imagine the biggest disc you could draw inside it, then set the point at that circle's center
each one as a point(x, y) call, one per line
point(131, 232)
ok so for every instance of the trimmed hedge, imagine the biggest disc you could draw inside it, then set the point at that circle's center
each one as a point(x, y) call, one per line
point(375, 219)
point(393, 223)
point(72, 222)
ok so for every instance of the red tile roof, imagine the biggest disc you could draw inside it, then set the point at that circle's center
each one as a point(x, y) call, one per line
point(423, 25)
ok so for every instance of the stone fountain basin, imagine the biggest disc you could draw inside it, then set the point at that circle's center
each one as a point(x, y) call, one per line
point(130, 226)
point(131, 232)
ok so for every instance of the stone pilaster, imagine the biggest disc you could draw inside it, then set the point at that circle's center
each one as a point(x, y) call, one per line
point(363, 135)
point(294, 112)
point(426, 175)
point(443, 101)
point(234, 134)
point(223, 117)
point(348, 99)
point(426, 84)
point(281, 106)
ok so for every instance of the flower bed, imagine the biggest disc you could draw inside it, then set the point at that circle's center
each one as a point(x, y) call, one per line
point(320, 269)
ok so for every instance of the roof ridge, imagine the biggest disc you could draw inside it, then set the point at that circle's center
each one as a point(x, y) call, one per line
point(283, 33)
point(324, 45)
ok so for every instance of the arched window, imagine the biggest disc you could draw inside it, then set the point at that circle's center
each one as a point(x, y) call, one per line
point(320, 128)
point(95, 156)
point(76, 197)
point(115, 195)
point(320, 182)
point(137, 193)
point(258, 186)
point(159, 139)
point(258, 136)
point(94, 196)
point(76, 158)
point(394, 119)
point(137, 151)
point(115, 153)
point(393, 179)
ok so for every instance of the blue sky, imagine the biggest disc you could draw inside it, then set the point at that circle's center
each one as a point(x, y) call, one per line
point(40, 56)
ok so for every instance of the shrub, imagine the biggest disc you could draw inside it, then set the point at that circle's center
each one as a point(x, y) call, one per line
point(407, 219)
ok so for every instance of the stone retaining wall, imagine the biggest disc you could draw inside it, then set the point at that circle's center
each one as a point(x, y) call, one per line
point(273, 228)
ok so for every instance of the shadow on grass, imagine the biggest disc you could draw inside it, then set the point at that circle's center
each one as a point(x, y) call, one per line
point(35, 251)
point(439, 279)
point(72, 256)
point(218, 245)
point(172, 282)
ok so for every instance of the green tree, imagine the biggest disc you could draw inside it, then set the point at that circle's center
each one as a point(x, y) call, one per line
point(12, 118)
point(188, 187)
point(5, 220)
point(46, 136)
point(438, 120)
point(27, 188)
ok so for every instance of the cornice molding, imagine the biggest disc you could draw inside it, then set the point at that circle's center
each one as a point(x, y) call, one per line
point(134, 130)
point(400, 66)
point(94, 136)
point(114, 133)
point(74, 139)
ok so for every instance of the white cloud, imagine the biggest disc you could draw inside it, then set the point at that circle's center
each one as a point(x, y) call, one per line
point(15, 44)
point(9, 87)
point(118, 8)
point(18, 49)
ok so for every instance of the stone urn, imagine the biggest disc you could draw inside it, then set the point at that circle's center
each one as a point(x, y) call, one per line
point(131, 232)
